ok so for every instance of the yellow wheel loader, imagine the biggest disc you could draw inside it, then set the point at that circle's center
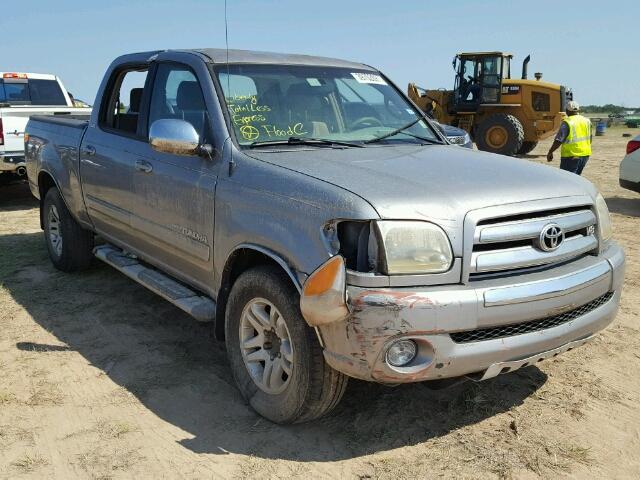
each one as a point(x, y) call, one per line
point(502, 114)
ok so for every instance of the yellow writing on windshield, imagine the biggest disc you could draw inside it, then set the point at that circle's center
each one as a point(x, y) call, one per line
point(248, 116)
point(294, 130)
point(249, 132)
point(245, 110)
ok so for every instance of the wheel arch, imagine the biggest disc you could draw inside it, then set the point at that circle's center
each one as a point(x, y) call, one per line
point(242, 258)
point(45, 183)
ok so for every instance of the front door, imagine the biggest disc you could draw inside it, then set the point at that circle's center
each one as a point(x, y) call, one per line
point(174, 195)
point(467, 87)
point(491, 79)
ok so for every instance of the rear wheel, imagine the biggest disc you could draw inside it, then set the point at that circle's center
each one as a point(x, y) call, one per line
point(70, 246)
point(527, 147)
point(500, 133)
point(275, 357)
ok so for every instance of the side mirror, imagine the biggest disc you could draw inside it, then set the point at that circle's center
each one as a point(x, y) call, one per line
point(171, 135)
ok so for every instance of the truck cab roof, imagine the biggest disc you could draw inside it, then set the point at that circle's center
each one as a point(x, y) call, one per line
point(222, 56)
point(27, 75)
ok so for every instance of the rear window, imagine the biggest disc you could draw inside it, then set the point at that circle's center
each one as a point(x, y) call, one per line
point(31, 92)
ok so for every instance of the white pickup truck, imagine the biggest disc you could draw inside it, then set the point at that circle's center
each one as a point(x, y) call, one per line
point(23, 95)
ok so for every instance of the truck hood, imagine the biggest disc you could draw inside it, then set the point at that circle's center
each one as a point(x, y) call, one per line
point(438, 183)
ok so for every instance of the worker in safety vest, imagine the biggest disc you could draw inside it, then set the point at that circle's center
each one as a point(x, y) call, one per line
point(574, 138)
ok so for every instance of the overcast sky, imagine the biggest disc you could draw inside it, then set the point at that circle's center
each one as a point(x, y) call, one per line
point(591, 46)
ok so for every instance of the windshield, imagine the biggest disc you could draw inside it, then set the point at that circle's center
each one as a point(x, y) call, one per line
point(270, 103)
point(33, 91)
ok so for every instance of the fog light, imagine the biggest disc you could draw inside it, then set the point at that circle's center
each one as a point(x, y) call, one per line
point(400, 353)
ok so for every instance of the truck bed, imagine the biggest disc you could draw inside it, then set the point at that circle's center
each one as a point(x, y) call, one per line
point(71, 120)
point(15, 118)
point(53, 146)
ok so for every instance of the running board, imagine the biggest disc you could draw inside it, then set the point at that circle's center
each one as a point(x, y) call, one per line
point(198, 306)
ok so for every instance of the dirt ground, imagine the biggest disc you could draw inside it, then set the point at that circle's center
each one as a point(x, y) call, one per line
point(99, 378)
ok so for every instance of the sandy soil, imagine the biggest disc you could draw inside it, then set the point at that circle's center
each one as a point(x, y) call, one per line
point(101, 379)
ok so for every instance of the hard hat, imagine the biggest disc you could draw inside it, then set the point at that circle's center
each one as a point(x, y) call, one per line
point(573, 106)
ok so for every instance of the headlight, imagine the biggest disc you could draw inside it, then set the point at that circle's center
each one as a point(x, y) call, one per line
point(414, 247)
point(459, 139)
point(604, 219)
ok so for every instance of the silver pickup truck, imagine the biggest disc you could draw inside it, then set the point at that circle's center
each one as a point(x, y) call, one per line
point(310, 210)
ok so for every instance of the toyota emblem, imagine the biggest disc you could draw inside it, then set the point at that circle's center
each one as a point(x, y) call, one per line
point(551, 237)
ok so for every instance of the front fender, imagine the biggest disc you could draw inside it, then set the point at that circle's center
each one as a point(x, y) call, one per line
point(279, 211)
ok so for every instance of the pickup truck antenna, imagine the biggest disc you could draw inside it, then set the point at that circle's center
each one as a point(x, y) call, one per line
point(226, 41)
point(226, 38)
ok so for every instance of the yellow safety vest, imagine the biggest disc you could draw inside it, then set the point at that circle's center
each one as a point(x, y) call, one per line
point(578, 142)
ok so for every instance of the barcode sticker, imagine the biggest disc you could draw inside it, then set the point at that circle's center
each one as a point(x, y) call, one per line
point(368, 78)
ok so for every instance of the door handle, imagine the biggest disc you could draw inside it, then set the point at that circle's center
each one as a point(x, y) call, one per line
point(89, 150)
point(143, 166)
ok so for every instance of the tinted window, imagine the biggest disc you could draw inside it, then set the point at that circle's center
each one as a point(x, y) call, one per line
point(177, 94)
point(15, 92)
point(46, 92)
point(32, 92)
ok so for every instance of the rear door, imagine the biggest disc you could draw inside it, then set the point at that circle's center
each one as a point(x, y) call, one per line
point(173, 204)
point(109, 152)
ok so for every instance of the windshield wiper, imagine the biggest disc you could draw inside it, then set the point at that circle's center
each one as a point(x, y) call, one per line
point(304, 141)
point(400, 130)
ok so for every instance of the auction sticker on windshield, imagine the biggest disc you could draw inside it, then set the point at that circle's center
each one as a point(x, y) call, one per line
point(368, 78)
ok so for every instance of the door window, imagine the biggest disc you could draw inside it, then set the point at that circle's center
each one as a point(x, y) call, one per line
point(491, 79)
point(468, 85)
point(177, 94)
point(122, 111)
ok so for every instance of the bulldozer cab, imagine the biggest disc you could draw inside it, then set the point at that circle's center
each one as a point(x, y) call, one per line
point(479, 79)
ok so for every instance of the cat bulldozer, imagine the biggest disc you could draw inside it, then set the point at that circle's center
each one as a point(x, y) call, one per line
point(502, 114)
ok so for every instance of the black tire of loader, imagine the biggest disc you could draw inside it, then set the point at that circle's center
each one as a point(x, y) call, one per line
point(527, 147)
point(513, 127)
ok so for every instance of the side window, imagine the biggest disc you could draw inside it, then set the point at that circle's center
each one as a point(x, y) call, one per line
point(177, 94)
point(123, 108)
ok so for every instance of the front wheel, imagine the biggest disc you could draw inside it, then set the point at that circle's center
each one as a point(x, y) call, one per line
point(274, 355)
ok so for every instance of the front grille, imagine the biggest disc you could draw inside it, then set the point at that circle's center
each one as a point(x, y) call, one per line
point(530, 326)
point(512, 243)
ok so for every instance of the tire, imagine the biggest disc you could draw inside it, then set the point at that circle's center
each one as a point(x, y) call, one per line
point(527, 147)
point(312, 388)
point(500, 133)
point(70, 246)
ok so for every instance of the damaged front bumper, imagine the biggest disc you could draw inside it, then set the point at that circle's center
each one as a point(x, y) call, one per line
point(480, 329)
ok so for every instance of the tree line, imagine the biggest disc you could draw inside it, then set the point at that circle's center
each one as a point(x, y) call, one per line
point(608, 108)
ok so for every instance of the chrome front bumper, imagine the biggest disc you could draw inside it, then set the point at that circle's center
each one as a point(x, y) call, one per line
point(429, 315)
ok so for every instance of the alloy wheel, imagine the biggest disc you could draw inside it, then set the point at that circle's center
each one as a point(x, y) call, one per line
point(54, 230)
point(266, 346)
